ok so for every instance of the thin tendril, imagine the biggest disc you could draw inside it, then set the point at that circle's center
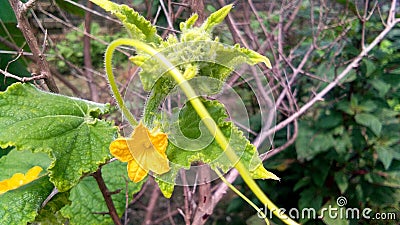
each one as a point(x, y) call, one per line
point(234, 189)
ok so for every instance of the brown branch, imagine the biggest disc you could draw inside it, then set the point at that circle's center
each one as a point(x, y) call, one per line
point(23, 79)
point(53, 71)
point(165, 217)
point(87, 58)
point(126, 220)
point(197, 6)
point(203, 210)
point(232, 175)
point(20, 9)
point(331, 85)
point(187, 197)
point(288, 143)
point(107, 197)
point(237, 37)
point(152, 204)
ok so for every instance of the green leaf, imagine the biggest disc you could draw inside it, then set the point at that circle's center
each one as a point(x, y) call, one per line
point(253, 57)
point(190, 143)
point(73, 9)
point(166, 181)
point(370, 67)
point(329, 218)
point(86, 198)
point(216, 18)
point(302, 183)
point(7, 14)
point(385, 155)
point(138, 27)
point(310, 198)
point(210, 58)
point(392, 179)
point(65, 128)
point(309, 142)
point(341, 181)
point(20, 206)
point(381, 86)
point(370, 121)
point(50, 214)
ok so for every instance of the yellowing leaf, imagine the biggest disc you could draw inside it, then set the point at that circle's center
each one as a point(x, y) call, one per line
point(261, 173)
point(144, 152)
point(20, 179)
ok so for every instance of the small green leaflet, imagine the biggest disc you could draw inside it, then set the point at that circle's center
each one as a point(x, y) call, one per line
point(138, 27)
point(65, 128)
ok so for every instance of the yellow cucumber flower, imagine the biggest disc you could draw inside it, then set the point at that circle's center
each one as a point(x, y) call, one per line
point(144, 151)
point(19, 179)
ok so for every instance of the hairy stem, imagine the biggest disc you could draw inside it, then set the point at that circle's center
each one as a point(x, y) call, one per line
point(111, 79)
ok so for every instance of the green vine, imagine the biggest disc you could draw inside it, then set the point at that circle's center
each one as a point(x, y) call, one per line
point(200, 109)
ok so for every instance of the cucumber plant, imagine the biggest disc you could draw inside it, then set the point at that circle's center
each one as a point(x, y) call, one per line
point(63, 139)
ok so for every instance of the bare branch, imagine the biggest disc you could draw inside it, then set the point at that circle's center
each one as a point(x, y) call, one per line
point(23, 79)
point(20, 9)
point(87, 58)
point(331, 85)
point(203, 210)
point(152, 204)
point(107, 197)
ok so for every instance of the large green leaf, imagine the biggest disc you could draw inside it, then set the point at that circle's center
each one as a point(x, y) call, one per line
point(87, 199)
point(66, 128)
point(200, 146)
point(20, 206)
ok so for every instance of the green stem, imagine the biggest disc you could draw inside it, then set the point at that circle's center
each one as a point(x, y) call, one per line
point(201, 111)
point(111, 79)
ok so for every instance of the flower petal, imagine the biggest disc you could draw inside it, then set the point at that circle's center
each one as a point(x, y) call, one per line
point(149, 149)
point(160, 143)
point(19, 179)
point(135, 172)
point(119, 148)
point(33, 173)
